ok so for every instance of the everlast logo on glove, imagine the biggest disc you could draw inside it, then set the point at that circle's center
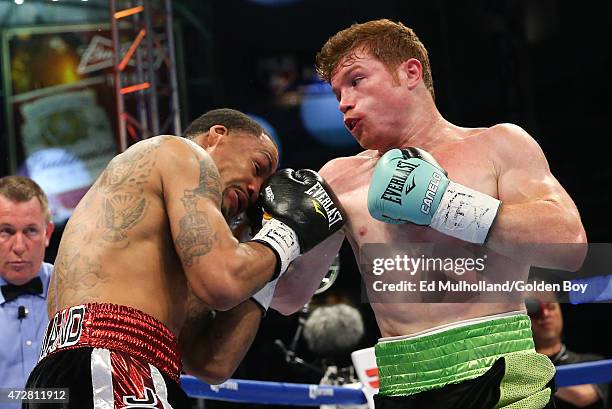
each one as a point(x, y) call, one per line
point(288, 198)
point(302, 200)
point(332, 214)
point(269, 193)
point(393, 192)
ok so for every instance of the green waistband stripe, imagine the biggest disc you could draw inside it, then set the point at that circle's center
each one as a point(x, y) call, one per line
point(410, 366)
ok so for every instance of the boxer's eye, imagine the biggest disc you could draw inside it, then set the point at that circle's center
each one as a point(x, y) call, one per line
point(6, 233)
point(31, 232)
point(356, 81)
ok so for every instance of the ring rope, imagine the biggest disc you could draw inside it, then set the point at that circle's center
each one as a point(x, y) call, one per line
point(299, 394)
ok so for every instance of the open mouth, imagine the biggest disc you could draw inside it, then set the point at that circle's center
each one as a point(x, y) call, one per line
point(351, 123)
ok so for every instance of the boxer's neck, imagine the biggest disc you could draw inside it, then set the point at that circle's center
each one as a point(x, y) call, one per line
point(425, 127)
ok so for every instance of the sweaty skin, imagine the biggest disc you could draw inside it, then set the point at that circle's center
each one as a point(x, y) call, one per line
point(503, 161)
point(150, 233)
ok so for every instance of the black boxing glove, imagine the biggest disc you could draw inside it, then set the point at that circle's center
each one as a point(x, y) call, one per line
point(254, 215)
point(300, 211)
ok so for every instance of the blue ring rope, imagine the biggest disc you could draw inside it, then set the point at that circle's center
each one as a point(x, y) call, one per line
point(273, 393)
point(300, 394)
point(584, 372)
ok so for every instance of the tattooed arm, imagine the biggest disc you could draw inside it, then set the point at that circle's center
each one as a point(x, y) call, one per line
point(214, 343)
point(221, 271)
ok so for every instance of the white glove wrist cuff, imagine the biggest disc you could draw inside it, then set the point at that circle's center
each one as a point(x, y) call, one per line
point(264, 296)
point(465, 213)
point(282, 239)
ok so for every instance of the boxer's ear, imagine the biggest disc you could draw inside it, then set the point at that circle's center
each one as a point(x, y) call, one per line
point(215, 134)
point(412, 71)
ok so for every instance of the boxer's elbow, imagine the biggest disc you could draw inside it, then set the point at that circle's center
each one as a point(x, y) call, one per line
point(219, 291)
point(211, 374)
point(214, 379)
point(577, 253)
point(216, 376)
point(574, 246)
point(284, 309)
point(562, 256)
point(223, 298)
point(563, 236)
point(287, 305)
point(221, 371)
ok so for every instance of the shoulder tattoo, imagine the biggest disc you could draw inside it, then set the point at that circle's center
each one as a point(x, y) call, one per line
point(196, 236)
point(122, 185)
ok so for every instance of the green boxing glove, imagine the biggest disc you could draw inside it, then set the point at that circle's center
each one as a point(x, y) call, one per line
point(409, 186)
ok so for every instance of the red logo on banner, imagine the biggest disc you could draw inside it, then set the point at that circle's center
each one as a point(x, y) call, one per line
point(373, 373)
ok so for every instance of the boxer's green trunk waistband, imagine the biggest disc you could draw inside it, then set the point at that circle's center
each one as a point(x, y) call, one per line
point(414, 365)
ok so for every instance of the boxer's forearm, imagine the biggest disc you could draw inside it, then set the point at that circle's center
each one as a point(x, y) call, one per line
point(213, 348)
point(296, 287)
point(238, 273)
point(542, 233)
point(578, 395)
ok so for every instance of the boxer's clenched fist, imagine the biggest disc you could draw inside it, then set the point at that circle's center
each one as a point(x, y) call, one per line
point(408, 185)
point(300, 212)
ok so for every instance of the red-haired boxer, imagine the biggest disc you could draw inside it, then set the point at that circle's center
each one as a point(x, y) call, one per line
point(148, 252)
point(423, 179)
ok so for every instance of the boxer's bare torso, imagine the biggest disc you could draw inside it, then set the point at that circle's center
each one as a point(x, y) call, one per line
point(117, 246)
point(462, 157)
point(501, 161)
